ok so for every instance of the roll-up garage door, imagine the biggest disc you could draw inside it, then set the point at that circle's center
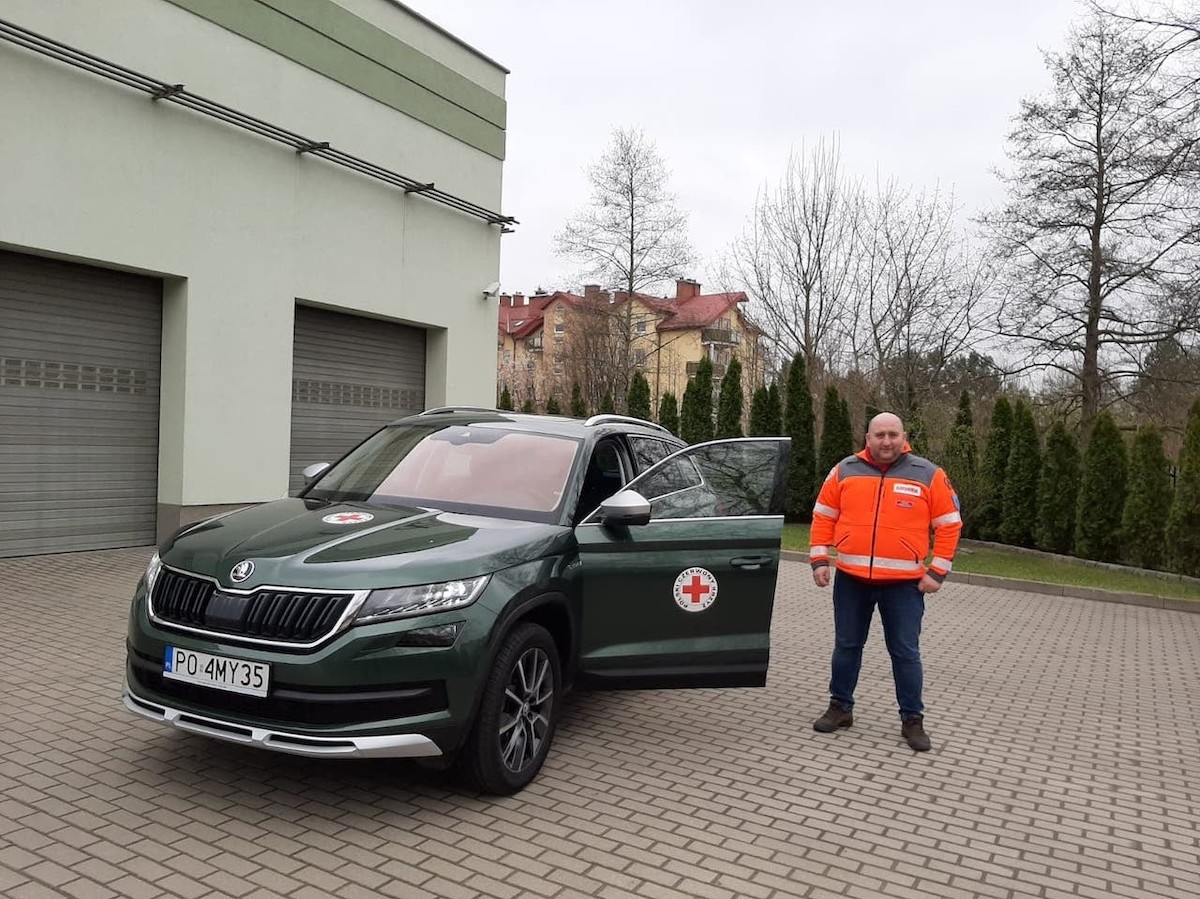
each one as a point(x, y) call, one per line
point(79, 376)
point(349, 376)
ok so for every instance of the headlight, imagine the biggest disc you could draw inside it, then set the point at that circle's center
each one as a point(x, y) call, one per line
point(152, 572)
point(403, 602)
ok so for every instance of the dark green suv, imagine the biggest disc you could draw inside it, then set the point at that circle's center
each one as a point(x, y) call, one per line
point(434, 593)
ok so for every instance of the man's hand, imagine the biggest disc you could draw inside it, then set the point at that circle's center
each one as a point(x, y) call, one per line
point(928, 584)
point(821, 575)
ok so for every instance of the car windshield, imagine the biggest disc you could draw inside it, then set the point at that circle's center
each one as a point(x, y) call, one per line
point(461, 468)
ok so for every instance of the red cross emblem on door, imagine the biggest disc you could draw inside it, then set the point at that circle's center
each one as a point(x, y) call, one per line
point(695, 589)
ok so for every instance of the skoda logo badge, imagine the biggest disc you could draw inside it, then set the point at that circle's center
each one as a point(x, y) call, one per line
point(241, 571)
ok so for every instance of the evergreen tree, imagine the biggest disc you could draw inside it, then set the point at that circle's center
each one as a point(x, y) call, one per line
point(870, 411)
point(964, 418)
point(914, 428)
point(1144, 523)
point(606, 404)
point(505, 400)
point(668, 412)
point(758, 413)
point(799, 423)
point(774, 416)
point(528, 406)
point(995, 465)
point(1022, 475)
point(696, 415)
point(851, 434)
point(578, 406)
point(960, 459)
point(552, 406)
point(638, 401)
point(837, 441)
point(1058, 491)
point(729, 403)
point(1183, 521)
point(1101, 493)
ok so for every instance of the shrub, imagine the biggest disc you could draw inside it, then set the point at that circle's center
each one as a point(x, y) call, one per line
point(729, 404)
point(995, 465)
point(1021, 476)
point(774, 417)
point(1101, 493)
point(1183, 521)
point(505, 400)
point(552, 406)
point(1148, 503)
point(758, 413)
point(578, 406)
point(638, 400)
point(606, 405)
point(836, 440)
point(1058, 491)
point(696, 414)
point(668, 412)
point(799, 424)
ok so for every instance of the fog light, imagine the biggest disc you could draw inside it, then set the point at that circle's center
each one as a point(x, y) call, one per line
point(438, 635)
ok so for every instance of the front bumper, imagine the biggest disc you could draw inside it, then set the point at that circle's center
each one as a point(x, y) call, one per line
point(378, 746)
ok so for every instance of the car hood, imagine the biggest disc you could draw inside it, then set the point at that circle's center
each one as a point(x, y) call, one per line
point(356, 546)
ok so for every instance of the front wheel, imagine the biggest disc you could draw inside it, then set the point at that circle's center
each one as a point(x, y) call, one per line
point(517, 713)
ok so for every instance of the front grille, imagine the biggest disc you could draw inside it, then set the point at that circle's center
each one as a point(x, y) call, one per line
point(294, 704)
point(290, 616)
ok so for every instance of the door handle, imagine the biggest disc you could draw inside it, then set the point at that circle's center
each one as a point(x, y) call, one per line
point(750, 562)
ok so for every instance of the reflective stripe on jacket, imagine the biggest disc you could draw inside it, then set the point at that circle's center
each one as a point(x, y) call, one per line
point(879, 520)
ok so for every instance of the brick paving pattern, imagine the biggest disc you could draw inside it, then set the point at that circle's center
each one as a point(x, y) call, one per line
point(1066, 742)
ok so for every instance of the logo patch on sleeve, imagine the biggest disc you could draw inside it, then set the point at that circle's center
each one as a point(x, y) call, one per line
point(910, 489)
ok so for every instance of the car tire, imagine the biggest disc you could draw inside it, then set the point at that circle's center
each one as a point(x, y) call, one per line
point(518, 713)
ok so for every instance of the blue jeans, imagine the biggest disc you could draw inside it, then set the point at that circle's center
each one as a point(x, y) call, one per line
point(901, 607)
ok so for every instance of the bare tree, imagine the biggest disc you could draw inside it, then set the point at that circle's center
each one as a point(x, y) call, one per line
point(795, 258)
point(920, 294)
point(1099, 234)
point(632, 236)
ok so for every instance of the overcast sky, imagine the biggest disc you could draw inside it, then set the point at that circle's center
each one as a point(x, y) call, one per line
point(922, 90)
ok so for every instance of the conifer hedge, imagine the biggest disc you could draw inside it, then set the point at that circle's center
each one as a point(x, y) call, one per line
point(995, 465)
point(729, 403)
point(799, 424)
point(637, 402)
point(1144, 522)
point(1183, 521)
point(1101, 493)
point(1021, 476)
point(1058, 491)
point(668, 412)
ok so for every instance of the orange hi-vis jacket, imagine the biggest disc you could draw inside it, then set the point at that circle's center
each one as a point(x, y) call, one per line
point(878, 518)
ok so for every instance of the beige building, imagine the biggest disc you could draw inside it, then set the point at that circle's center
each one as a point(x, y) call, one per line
point(547, 342)
point(234, 239)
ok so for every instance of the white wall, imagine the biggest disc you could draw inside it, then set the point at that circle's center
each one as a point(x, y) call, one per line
point(242, 226)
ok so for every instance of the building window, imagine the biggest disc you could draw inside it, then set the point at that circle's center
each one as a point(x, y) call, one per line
point(639, 358)
point(640, 326)
point(508, 355)
point(559, 327)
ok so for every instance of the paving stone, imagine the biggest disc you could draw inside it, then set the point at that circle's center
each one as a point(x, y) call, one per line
point(1051, 775)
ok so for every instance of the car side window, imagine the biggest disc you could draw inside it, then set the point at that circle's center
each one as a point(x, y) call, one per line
point(649, 451)
point(606, 474)
point(716, 480)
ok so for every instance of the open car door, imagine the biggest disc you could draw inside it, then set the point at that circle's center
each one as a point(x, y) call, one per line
point(682, 597)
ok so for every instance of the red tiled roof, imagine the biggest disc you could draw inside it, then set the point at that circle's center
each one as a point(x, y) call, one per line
point(696, 312)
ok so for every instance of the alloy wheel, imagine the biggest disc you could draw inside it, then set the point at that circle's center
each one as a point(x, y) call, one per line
point(525, 716)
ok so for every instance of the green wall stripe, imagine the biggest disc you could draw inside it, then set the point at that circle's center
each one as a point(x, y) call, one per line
point(327, 39)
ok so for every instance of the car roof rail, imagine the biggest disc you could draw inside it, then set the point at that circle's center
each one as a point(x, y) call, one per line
point(439, 410)
point(609, 418)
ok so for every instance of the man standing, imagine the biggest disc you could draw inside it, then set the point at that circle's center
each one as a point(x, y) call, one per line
point(876, 508)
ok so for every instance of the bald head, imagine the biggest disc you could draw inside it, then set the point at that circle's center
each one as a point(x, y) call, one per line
point(886, 437)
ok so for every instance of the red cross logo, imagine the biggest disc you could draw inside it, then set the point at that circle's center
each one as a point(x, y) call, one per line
point(347, 518)
point(696, 589)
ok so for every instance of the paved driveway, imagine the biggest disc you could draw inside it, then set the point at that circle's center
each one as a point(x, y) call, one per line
point(1066, 757)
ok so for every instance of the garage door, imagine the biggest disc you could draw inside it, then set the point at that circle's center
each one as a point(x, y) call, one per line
point(79, 375)
point(349, 376)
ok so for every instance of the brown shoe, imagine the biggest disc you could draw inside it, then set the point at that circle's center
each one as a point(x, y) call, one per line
point(913, 731)
point(835, 716)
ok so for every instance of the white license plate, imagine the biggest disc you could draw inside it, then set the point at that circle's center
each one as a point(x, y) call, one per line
point(220, 672)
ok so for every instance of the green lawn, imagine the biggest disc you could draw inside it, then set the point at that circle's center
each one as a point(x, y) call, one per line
point(1036, 567)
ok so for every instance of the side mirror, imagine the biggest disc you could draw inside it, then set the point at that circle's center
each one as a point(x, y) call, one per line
point(314, 471)
point(628, 507)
